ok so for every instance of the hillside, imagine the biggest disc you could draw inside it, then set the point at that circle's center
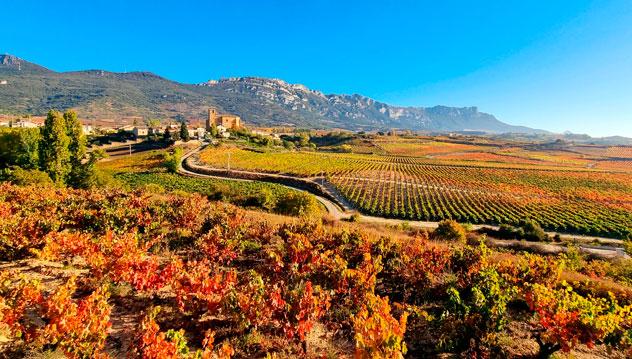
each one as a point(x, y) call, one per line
point(98, 94)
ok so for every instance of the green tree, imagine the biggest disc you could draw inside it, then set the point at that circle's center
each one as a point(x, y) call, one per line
point(167, 136)
point(77, 151)
point(295, 203)
point(86, 175)
point(54, 154)
point(25, 177)
point(184, 132)
point(172, 160)
point(153, 123)
point(214, 131)
point(303, 140)
point(19, 147)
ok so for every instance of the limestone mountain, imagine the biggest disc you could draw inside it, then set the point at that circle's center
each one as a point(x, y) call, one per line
point(33, 89)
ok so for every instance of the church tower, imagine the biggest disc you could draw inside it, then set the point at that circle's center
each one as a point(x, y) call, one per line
point(210, 121)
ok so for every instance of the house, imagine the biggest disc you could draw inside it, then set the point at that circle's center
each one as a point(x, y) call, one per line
point(140, 131)
point(87, 129)
point(201, 132)
point(155, 131)
point(25, 124)
point(3, 82)
point(225, 120)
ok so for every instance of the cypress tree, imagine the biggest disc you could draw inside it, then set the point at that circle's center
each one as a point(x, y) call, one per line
point(76, 149)
point(184, 132)
point(54, 153)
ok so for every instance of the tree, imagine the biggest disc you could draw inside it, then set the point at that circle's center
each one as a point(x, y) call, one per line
point(19, 147)
point(153, 123)
point(86, 175)
point(184, 132)
point(295, 203)
point(167, 136)
point(54, 154)
point(214, 131)
point(533, 231)
point(172, 160)
point(77, 151)
point(303, 140)
point(25, 177)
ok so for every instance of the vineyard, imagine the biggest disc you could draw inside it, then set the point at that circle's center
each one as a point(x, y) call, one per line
point(147, 171)
point(113, 273)
point(586, 202)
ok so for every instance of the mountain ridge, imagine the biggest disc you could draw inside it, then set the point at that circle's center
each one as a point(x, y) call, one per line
point(33, 89)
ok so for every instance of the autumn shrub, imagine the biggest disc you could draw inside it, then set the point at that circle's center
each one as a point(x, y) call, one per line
point(477, 312)
point(450, 230)
point(565, 319)
point(377, 333)
point(78, 327)
point(420, 266)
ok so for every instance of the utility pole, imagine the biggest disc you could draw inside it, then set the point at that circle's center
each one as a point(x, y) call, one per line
point(228, 163)
point(130, 149)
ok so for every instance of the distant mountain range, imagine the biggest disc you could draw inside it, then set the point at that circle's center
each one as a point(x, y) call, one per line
point(97, 94)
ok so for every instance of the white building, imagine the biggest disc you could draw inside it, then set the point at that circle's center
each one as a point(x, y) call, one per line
point(156, 131)
point(3, 82)
point(25, 124)
point(87, 129)
point(140, 131)
point(200, 132)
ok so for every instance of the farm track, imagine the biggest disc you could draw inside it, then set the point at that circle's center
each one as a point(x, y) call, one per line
point(339, 209)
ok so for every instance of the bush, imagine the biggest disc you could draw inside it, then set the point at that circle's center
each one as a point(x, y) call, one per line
point(172, 160)
point(451, 230)
point(22, 177)
point(533, 231)
point(297, 204)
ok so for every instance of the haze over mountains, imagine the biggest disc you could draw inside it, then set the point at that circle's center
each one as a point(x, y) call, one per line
point(96, 94)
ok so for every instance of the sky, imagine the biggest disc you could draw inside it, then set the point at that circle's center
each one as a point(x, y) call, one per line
point(551, 64)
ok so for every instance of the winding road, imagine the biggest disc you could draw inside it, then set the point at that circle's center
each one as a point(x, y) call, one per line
point(607, 248)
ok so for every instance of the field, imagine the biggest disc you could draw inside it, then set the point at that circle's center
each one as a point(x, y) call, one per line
point(493, 183)
point(145, 170)
point(108, 272)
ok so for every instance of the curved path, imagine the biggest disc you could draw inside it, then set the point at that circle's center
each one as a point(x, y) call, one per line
point(612, 249)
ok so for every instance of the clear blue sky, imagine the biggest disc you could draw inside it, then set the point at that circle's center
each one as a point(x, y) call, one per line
point(552, 64)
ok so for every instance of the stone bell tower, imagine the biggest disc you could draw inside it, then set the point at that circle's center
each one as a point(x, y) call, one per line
point(212, 116)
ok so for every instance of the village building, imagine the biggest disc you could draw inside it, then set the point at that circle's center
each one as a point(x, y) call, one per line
point(25, 124)
point(196, 132)
point(155, 131)
point(87, 129)
point(225, 120)
point(140, 131)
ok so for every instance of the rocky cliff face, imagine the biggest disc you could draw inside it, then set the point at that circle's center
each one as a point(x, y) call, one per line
point(281, 101)
point(100, 94)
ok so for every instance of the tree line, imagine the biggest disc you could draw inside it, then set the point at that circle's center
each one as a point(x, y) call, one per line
point(55, 153)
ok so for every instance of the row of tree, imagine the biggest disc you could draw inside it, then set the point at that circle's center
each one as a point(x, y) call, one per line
point(58, 149)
